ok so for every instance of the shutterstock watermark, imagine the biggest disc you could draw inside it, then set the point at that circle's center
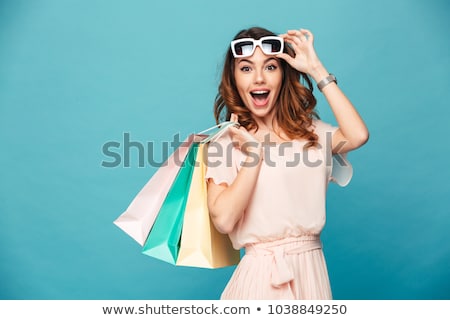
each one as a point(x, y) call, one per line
point(143, 154)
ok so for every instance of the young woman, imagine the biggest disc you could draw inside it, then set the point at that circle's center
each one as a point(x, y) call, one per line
point(267, 177)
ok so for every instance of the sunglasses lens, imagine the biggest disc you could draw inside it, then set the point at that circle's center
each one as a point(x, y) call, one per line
point(271, 46)
point(243, 48)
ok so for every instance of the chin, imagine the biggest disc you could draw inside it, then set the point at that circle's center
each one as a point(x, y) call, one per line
point(261, 112)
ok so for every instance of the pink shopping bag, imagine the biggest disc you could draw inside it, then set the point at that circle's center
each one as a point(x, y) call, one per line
point(139, 217)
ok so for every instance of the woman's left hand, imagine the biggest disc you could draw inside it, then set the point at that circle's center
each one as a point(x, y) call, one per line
point(302, 42)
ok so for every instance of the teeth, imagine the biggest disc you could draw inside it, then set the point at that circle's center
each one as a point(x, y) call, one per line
point(260, 92)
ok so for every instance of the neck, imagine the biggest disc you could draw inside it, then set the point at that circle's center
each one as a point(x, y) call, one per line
point(267, 123)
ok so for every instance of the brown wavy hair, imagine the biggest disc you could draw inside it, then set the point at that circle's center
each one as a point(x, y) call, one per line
point(294, 107)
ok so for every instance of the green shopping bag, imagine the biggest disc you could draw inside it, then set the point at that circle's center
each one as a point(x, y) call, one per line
point(164, 238)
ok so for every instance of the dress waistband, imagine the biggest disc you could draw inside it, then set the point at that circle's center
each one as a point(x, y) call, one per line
point(291, 245)
point(281, 273)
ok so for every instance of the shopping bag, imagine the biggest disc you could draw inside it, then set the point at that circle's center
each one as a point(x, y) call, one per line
point(140, 215)
point(164, 237)
point(201, 244)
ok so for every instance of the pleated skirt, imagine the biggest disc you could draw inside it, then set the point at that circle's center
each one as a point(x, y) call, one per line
point(286, 269)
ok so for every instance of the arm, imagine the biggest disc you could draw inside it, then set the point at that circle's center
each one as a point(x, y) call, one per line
point(226, 204)
point(352, 132)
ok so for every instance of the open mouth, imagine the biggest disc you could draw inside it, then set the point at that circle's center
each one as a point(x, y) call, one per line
point(260, 97)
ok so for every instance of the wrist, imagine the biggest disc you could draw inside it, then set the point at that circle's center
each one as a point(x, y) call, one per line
point(326, 81)
point(318, 72)
point(256, 150)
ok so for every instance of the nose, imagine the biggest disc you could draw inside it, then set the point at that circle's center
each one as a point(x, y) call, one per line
point(259, 58)
point(259, 76)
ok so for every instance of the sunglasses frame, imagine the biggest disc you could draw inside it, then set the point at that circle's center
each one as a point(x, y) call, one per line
point(256, 43)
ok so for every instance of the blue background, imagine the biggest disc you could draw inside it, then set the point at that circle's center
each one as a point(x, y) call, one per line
point(77, 74)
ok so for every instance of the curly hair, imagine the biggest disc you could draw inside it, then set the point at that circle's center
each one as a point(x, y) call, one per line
point(294, 106)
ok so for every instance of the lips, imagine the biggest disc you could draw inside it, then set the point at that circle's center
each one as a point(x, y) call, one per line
point(260, 97)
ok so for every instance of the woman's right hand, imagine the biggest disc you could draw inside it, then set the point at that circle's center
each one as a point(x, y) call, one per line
point(244, 140)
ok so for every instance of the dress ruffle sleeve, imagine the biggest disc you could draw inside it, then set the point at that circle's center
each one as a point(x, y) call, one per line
point(340, 169)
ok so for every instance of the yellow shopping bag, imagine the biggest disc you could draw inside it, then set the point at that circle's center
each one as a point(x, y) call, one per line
point(201, 244)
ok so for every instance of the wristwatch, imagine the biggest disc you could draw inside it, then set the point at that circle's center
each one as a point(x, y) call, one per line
point(327, 80)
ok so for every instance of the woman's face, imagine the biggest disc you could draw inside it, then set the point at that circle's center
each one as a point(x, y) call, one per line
point(258, 80)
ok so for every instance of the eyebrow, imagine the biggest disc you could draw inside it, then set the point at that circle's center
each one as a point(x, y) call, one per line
point(251, 62)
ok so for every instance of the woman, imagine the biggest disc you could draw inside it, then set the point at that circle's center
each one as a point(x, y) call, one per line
point(267, 177)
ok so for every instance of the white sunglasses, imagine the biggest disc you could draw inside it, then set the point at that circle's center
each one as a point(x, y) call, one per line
point(245, 47)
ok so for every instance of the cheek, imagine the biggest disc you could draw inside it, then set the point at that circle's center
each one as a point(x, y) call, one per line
point(277, 82)
point(241, 85)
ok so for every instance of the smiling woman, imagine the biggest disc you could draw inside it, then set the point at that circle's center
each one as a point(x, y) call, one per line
point(274, 210)
point(78, 74)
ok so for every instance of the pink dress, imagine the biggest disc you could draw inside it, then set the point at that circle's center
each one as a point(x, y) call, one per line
point(280, 229)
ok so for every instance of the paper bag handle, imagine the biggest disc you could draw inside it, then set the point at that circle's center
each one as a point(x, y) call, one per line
point(223, 127)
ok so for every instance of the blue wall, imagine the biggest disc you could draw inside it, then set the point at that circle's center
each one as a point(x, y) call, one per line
point(77, 74)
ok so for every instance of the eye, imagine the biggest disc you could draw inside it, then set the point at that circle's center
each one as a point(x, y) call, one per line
point(271, 67)
point(245, 69)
